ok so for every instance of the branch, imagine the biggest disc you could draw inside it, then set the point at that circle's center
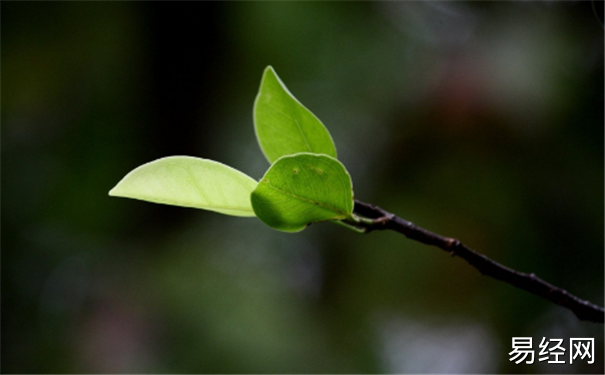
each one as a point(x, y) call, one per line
point(375, 218)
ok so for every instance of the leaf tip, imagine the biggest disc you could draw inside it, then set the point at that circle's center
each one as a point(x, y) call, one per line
point(115, 192)
point(119, 191)
point(270, 71)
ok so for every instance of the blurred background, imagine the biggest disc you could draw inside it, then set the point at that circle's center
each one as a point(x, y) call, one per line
point(482, 121)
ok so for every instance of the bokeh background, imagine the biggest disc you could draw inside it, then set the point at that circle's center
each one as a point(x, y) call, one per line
point(481, 120)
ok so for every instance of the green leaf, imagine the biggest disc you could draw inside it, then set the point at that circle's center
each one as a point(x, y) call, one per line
point(190, 182)
point(283, 125)
point(301, 189)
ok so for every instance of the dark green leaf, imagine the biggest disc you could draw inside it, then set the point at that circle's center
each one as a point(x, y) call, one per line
point(301, 189)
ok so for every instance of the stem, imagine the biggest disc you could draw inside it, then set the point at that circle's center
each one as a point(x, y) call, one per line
point(349, 225)
point(378, 219)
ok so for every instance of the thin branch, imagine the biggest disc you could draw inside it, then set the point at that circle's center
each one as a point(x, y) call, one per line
point(378, 219)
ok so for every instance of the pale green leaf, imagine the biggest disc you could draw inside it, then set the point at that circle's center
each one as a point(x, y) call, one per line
point(301, 189)
point(190, 182)
point(283, 125)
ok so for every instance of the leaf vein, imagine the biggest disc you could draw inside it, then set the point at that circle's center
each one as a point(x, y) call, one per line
point(306, 200)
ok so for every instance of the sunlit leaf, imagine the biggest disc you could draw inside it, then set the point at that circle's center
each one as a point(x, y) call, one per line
point(283, 125)
point(301, 189)
point(190, 182)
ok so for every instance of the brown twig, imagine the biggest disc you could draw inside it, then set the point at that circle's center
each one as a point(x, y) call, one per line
point(378, 219)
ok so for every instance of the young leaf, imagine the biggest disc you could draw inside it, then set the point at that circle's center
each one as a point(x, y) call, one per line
point(301, 189)
point(190, 182)
point(283, 125)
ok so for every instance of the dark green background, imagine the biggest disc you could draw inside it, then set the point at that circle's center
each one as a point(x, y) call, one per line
point(482, 121)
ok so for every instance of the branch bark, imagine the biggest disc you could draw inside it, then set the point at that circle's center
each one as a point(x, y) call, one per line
point(378, 219)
